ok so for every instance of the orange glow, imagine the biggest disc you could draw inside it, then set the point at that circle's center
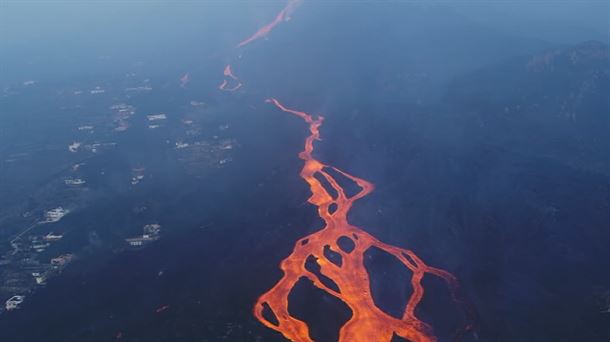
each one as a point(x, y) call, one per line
point(228, 72)
point(229, 78)
point(284, 15)
point(368, 323)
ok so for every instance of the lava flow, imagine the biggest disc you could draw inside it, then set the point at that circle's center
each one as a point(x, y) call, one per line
point(284, 15)
point(229, 77)
point(348, 279)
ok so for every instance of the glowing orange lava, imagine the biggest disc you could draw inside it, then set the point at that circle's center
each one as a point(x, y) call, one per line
point(229, 73)
point(284, 15)
point(348, 280)
point(368, 323)
point(229, 77)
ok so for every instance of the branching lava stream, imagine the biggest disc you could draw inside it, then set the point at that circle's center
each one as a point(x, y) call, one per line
point(368, 323)
point(348, 280)
point(229, 77)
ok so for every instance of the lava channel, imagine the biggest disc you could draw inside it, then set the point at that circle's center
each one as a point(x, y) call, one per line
point(284, 15)
point(368, 322)
point(230, 78)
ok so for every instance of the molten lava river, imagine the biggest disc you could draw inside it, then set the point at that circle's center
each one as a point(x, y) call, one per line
point(344, 275)
point(348, 279)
